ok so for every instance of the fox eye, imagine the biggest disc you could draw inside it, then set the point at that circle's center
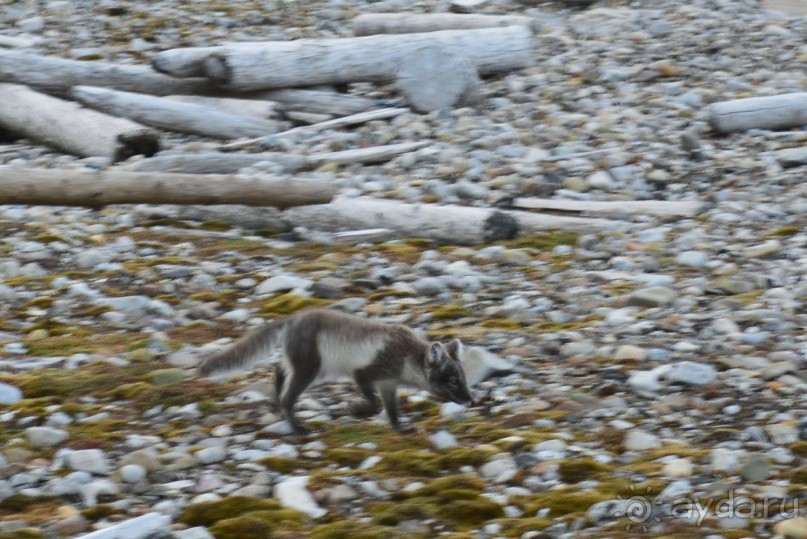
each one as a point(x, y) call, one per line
point(454, 381)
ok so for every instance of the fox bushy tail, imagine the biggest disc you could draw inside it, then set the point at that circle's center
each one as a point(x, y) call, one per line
point(246, 352)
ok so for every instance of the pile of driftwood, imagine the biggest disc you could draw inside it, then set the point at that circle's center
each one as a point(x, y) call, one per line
point(254, 91)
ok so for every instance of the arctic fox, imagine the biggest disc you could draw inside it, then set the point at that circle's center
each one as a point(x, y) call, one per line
point(320, 345)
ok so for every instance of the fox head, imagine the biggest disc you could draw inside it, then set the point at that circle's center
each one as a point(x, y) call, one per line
point(444, 373)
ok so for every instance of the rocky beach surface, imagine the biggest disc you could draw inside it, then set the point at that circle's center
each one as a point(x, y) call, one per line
point(649, 379)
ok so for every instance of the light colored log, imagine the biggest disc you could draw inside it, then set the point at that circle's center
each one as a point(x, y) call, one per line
point(446, 224)
point(307, 62)
point(772, 112)
point(251, 108)
point(433, 77)
point(225, 163)
point(409, 23)
point(362, 117)
point(183, 63)
point(168, 114)
point(56, 76)
point(94, 189)
point(633, 207)
point(317, 101)
point(70, 128)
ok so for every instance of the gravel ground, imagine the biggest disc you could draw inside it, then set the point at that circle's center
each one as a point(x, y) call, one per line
point(650, 379)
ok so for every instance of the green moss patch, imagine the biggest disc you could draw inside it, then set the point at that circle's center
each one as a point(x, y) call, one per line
point(348, 529)
point(290, 303)
point(576, 470)
point(209, 513)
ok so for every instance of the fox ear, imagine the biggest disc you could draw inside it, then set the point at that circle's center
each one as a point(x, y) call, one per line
point(454, 349)
point(435, 354)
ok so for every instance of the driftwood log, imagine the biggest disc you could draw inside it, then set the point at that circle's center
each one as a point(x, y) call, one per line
point(772, 112)
point(96, 189)
point(251, 108)
point(445, 224)
point(317, 101)
point(362, 117)
point(227, 163)
point(633, 207)
point(410, 23)
point(172, 115)
point(268, 65)
point(56, 76)
point(70, 128)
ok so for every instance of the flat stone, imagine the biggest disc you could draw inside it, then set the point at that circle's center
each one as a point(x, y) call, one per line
point(724, 460)
point(654, 296)
point(88, 460)
point(292, 493)
point(692, 259)
point(429, 286)
point(282, 283)
point(45, 436)
point(793, 528)
point(210, 455)
point(164, 377)
point(443, 439)
point(689, 372)
point(764, 249)
point(628, 351)
point(755, 468)
point(640, 440)
point(677, 468)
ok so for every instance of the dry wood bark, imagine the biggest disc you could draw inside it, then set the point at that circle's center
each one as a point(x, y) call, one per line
point(251, 108)
point(224, 163)
point(637, 207)
point(56, 76)
point(770, 112)
point(446, 224)
point(257, 66)
point(68, 127)
point(362, 117)
point(94, 189)
point(317, 101)
point(409, 23)
point(168, 114)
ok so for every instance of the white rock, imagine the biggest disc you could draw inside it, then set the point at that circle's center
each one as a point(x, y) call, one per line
point(678, 468)
point(724, 460)
point(692, 259)
point(689, 372)
point(45, 436)
point(443, 439)
point(9, 394)
point(499, 470)
point(136, 528)
point(209, 455)
point(640, 440)
point(452, 410)
point(478, 364)
point(88, 460)
point(132, 473)
point(199, 532)
point(282, 283)
point(292, 493)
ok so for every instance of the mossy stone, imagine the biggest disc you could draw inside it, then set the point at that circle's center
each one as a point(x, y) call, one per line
point(799, 476)
point(207, 513)
point(164, 377)
point(290, 303)
point(244, 527)
point(37, 335)
point(349, 529)
point(141, 355)
point(577, 470)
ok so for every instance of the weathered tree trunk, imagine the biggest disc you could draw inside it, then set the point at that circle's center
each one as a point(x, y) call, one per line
point(772, 112)
point(168, 114)
point(102, 188)
point(410, 23)
point(369, 116)
point(633, 207)
point(56, 76)
point(183, 63)
point(445, 224)
point(68, 127)
point(251, 108)
point(371, 58)
point(317, 101)
point(225, 163)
